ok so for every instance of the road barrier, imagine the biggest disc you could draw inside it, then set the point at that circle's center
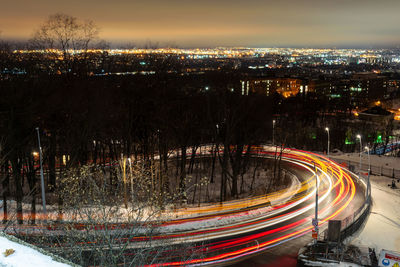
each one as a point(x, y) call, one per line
point(375, 170)
point(352, 223)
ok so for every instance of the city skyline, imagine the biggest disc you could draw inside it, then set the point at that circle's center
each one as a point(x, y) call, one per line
point(254, 23)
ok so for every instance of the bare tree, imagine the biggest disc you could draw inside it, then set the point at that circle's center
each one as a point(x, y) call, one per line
point(61, 36)
point(5, 53)
point(98, 228)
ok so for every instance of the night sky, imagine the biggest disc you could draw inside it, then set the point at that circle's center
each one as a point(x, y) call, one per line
point(210, 23)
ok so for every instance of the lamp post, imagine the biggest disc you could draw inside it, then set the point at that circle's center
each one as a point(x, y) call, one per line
point(131, 175)
point(41, 177)
point(315, 220)
point(327, 130)
point(273, 132)
point(369, 172)
point(359, 137)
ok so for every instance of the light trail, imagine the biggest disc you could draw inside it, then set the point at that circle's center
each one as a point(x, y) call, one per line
point(233, 230)
point(283, 223)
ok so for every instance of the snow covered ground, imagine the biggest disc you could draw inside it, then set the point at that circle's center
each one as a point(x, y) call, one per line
point(24, 256)
point(382, 229)
point(376, 160)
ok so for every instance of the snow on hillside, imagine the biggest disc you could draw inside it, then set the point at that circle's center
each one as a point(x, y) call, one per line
point(24, 256)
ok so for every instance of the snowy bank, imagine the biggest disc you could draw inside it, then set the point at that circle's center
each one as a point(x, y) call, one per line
point(384, 161)
point(382, 229)
point(26, 255)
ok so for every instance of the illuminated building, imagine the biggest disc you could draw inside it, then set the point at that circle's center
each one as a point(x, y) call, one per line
point(286, 87)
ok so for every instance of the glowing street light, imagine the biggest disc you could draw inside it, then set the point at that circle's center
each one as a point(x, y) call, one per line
point(273, 132)
point(41, 177)
point(359, 137)
point(327, 130)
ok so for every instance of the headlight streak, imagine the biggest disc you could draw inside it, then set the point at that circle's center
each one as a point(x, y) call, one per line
point(282, 222)
point(257, 223)
point(251, 235)
point(345, 191)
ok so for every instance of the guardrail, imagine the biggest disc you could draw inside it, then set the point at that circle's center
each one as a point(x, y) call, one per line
point(375, 170)
point(352, 223)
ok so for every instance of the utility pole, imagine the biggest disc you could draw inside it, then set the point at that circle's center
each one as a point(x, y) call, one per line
point(41, 177)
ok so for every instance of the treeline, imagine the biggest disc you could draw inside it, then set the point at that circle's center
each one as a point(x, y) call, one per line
point(86, 120)
point(100, 119)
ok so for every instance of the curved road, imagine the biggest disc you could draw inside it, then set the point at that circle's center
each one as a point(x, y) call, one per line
point(277, 223)
point(236, 230)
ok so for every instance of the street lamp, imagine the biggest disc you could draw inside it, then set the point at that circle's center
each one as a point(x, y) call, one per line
point(327, 130)
point(131, 175)
point(359, 137)
point(273, 132)
point(41, 177)
point(315, 220)
point(369, 172)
